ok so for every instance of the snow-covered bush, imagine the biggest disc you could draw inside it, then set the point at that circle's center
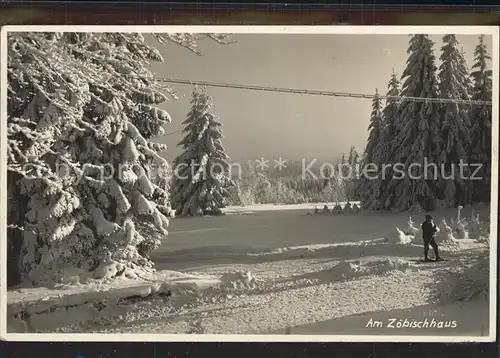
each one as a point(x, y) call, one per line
point(446, 238)
point(411, 229)
point(347, 208)
point(337, 209)
point(477, 229)
point(474, 228)
point(81, 113)
point(399, 237)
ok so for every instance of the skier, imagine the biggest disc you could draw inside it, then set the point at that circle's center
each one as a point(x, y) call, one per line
point(429, 230)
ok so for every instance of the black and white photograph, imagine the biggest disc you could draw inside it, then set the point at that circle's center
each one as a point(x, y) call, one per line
point(249, 183)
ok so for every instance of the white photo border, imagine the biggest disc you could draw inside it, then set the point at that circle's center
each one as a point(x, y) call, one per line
point(243, 29)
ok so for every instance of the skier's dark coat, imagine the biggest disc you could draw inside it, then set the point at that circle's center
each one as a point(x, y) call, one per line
point(428, 230)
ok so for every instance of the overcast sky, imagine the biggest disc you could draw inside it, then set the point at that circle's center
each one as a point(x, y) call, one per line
point(291, 126)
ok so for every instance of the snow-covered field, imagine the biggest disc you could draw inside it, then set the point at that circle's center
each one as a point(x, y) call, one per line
point(268, 269)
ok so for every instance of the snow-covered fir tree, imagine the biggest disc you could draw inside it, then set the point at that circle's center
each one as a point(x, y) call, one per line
point(382, 153)
point(202, 179)
point(466, 80)
point(417, 136)
point(351, 161)
point(343, 167)
point(357, 164)
point(481, 118)
point(351, 174)
point(353, 154)
point(384, 149)
point(367, 184)
point(375, 129)
point(81, 113)
point(454, 123)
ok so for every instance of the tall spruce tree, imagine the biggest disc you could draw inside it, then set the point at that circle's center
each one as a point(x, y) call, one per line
point(375, 129)
point(350, 173)
point(417, 138)
point(467, 80)
point(367, 185)
point(344, 167)
point(481, 118)
point(352, 156)
point(454, 123)
point(79, 191)
point(383, 151)
point(201, 180)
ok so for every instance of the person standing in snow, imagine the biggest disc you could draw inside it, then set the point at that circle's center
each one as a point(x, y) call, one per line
point(429, 230)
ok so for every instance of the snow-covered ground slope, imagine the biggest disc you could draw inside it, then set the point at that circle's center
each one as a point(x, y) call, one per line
point(259, 273)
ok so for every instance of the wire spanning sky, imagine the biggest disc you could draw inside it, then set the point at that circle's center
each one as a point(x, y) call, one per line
point(258, 123)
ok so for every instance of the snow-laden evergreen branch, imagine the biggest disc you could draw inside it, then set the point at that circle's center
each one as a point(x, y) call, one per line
point(79, 156)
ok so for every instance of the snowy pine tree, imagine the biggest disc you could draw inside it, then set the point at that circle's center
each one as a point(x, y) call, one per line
point(375, 130)
point(454, 123)
point(417, 137)
point(81, 111)
point(481, 118)
point(384, 149)
point(344, 167)
point(367, 185)
point(201, 180)
point(382, 153)
point(351, 173)
point(352, 156)
point(466, 80)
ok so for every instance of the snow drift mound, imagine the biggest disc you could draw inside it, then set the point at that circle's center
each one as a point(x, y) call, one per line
point(382, 266)
point(346, 270)
point(237, 280)
point(215, 291)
